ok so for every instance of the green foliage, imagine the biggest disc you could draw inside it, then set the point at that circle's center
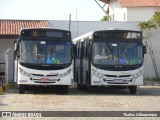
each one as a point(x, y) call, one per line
point(105, 18)
point(156, 19)
point(147, 25)
point(154, 22)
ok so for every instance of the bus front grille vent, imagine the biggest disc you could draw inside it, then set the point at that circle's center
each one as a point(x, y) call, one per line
point(118, 75)
point(37, 75)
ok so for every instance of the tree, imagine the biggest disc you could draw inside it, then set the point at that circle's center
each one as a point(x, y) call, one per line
point(147, 25)
point(105, 18)
point(156, 19)
point(154, 22)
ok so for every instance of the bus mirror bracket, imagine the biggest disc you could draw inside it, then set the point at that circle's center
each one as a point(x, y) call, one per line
point(89, 50)
point(144, 49)
point(17, 49)
point(74, 50)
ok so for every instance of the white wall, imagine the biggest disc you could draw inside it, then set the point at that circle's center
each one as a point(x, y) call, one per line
point(155, 40)
point(5, 44)
point(141, 13)
point(88, 26)
point(130, 14)
point(116, 12)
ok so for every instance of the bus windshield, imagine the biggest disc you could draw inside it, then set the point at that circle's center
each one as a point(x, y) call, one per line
point(117, 53)
point(45, 52)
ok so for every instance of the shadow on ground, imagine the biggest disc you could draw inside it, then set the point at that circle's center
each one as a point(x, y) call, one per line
point(141, 91)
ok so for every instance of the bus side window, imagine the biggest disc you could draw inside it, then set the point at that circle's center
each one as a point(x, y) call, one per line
point(78, 49)
point(82, 50)
point(86, 47)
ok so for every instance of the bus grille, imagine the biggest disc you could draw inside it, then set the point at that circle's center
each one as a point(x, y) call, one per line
point(118, 76)
point(39, 80)
point(46, 75)
point(116, 81)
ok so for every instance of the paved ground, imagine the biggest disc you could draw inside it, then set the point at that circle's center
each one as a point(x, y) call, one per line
point(99, 99)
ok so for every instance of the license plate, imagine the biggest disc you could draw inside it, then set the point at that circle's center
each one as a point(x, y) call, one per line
point(118, 81)
point(44, 79)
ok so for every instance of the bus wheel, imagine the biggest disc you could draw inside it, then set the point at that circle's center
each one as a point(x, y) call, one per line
point(84, 87)
point(79, 86)
point(133, 89)
point(21, 89)
point(63, 89)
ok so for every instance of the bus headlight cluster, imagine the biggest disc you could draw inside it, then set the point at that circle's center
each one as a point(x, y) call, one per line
point(24, 72)
point(138, 74)
point(66, 73)
point(97, 73)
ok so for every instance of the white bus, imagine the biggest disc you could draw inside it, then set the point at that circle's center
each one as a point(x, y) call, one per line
point(43, 56)
point(109, 58)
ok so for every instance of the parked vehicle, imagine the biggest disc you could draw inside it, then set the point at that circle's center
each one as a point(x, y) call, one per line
point(109, 58)
point(43, 56)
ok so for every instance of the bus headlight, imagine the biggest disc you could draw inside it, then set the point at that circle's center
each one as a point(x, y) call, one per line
point(97, 73)
point(66, 73)
point(138, 74)
point(24, 72)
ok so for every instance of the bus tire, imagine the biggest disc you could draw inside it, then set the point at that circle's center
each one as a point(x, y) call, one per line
point(84, 87)
point(63, 89)
point(79, 86)
point(21, 89)
point(132, 89)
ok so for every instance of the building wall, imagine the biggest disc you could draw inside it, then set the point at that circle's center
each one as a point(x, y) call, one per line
point(119, 13)
point(155, 41)
point(5, 44)
point(116, 12)
point(141, 13)
point(88, 26)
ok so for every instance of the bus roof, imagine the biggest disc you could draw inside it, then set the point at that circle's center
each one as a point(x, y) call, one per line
point(42, 28)
point(44, 33)
point(109, 30)
point(83, 36)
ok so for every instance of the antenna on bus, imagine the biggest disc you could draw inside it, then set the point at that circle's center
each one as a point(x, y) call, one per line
point(69, 22)
point(77, 23)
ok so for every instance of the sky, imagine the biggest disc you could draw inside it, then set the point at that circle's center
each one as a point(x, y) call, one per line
point(87, 10)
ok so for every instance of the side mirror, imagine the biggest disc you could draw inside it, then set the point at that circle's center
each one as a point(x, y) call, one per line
point(144, 49)
point(74, 49)
point(89, 51)
point(17, 49)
